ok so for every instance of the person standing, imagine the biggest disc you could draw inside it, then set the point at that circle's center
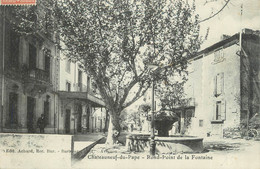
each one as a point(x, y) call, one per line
point(41, 123)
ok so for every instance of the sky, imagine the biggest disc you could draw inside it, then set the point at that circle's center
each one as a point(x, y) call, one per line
point(229, 21)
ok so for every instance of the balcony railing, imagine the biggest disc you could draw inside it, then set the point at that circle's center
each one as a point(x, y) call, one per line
point(38, 74)
point(189, 102)
point(80, 87)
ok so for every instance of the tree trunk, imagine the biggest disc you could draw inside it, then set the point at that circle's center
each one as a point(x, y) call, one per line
point(114, 129)
point(106, 122)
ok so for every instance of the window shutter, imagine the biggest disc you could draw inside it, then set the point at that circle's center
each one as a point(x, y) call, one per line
point(223, 110)
point(215, 86)
point(214, 111)
point(222, 82)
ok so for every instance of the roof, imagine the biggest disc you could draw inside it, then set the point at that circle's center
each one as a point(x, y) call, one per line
point(230, 41)
point(96, 102)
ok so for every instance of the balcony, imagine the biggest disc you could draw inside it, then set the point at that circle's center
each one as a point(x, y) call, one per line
point(36, 81)
point(80, 87)
point(185, 103)
point(38, 75)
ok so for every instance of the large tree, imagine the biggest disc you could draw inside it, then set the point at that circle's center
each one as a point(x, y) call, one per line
point(115, 41)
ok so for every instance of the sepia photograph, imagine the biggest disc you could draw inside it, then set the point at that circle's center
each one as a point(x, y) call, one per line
point(130, 84)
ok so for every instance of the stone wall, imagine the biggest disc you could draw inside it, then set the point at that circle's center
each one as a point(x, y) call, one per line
point(232, 132)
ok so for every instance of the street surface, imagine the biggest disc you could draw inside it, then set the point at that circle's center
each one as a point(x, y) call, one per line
point(218, 154)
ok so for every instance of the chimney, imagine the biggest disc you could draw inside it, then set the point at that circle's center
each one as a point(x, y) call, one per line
point(250, 31)
point(224, 37)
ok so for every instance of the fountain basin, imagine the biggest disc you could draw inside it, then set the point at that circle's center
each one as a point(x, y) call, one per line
point(165, 145)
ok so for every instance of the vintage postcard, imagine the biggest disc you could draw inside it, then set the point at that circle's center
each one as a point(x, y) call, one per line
point(132, 84)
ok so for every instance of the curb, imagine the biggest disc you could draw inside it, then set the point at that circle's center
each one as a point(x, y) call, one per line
point(82, 153)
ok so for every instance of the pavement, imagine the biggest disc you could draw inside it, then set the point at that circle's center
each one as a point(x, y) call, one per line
point(82, 141)
point(88, 137)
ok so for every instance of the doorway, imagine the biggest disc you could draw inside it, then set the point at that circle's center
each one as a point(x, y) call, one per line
point(46, 111)
point(30, 114)
point(87, 119)
point(13, 109)
point(79, 126)
point(67, 121)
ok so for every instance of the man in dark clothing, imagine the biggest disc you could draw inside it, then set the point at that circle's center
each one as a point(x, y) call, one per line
point(41, 123)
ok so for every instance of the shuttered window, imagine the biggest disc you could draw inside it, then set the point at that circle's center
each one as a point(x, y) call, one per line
point(219, 84)
point(219, 110)
point(68, 66)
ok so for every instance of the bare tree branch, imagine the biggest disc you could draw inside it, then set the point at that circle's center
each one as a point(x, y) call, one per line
point(203, 20)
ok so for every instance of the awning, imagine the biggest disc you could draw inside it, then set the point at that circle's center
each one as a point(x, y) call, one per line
point(84, 96)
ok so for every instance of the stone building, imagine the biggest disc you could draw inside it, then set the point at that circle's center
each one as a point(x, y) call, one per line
point(80, 107)
point(29, 78)
point(36, 78)
point(223, 86)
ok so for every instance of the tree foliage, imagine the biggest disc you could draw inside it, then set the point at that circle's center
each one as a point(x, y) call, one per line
point(116, 40)
point(144, 108)
point(171, 95)
point(29, 20)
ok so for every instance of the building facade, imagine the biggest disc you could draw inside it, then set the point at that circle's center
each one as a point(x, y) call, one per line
point(222, 87)
point(80, 108)
point(28, 79)
point(36, 78)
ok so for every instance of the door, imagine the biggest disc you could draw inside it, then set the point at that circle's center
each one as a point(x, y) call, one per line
point(46, 110)
point(30, 114)
point(79, 126)
point(67, 121)
point(13, 109)
point(87, 119)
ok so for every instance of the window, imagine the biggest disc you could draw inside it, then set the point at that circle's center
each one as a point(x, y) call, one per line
point(47, 60)
point(68, 86)
point(13, 108)
point(200, 123)
point(219, 56)
point(94, 87)
point(80, 80)
point(68, 62)
point(32, 56)
point(14, 49)
point(219, 110)
point(219, 84)
point(88, 83)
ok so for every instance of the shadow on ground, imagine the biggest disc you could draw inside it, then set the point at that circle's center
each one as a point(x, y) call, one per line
point(225, 146)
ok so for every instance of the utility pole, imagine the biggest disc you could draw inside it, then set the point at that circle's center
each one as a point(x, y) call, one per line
point(241, 25)
point(152, 141)
point(3, 73)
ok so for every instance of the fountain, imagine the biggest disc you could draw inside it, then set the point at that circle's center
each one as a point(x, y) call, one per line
point(164, 143)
